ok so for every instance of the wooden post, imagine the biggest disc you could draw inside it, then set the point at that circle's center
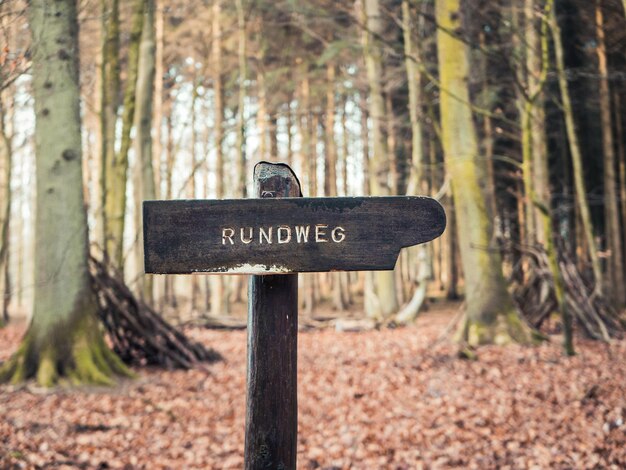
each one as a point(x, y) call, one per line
point(272, 403)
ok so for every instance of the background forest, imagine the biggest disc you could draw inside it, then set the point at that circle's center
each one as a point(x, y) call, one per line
point(511, 113)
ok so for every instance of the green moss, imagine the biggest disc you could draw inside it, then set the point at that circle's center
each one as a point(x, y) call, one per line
point(50, 360)
point(47, 372)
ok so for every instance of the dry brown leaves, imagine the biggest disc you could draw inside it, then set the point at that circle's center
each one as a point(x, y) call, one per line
point(374, 400)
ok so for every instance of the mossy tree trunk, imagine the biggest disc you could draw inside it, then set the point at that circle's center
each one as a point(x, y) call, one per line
point(386, 302)
point(490, 315)
point(115, 166)
point(64, 340)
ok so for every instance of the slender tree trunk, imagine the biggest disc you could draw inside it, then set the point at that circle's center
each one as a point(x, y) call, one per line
point(63, 340)
point(158, 94)
point(330, 173)
point(385, 289)
point(116, 164)
point(109, 95)
point(416, 177)
point(365, 157)
point(192, 192)
point(144, 172)
point(261, 114)
point(490, 315)
point(5, 214)
point(579, 181)
point(534, 150)
point(170, 160)
point(615, 265)
point(241, 99)
point(621, 154)
point(219, 301)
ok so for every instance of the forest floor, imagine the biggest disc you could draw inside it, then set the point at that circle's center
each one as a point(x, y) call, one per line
point(390, 399)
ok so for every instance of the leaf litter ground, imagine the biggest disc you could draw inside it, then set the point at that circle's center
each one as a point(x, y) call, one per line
point(390, 399)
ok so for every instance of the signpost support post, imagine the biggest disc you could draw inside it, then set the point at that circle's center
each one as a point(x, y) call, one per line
point(271, 402)
point(273, 237)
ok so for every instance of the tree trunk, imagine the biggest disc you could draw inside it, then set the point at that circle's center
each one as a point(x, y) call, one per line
point(261, 114)
point(574, 146)
point(63, 340)
point(615, 265)
point(5, 214)
point(490, 315)
point(241, 99)
point(144, 173)
point(158, 94)
point(535, 156)
point(416, 176)
point(116, 165)
point(109, 105)
point(219, 301)
point(384, 284)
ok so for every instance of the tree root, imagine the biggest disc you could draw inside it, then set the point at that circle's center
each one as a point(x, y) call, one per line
point(82, 359)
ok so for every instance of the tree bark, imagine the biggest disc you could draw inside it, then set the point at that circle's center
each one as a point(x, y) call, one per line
point(63, 340)
point(219, 301)
point(416, 175)
point(5, 214)
point(490, 315)
point(109, 105)
point(241, 98)
point(144, 172)
point(535, 157)
point(384, 285)
point(116, 164)
point(615, 265)
point(574, 146)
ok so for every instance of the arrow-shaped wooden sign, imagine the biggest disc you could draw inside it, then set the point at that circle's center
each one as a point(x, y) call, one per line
point(272, 236)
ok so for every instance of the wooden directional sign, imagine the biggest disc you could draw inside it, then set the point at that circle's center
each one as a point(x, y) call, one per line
point(272, 236)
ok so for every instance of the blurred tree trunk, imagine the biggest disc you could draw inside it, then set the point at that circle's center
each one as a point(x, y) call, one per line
point(416, 178)
point(615, 265)
point(490, 315)
point(109, 105)
point(241, 98)
point(144, 172)
point(158, 94)
point(116, 164)
point(219, 301)
point(63, 340)
point(330, 170)
point(574, 146)
point(261, 114)
point(193, 168)
point(170, 161)
point(5, 213)
point(535, 157)
point(621, 158)
point(384, 284)
point(330, 173)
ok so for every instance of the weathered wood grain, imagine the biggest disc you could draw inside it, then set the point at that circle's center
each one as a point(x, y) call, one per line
point(271, 405)
point(268, 236)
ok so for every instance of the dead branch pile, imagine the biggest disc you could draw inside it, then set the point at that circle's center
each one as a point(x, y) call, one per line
point(137, 333)
point(537, 301)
